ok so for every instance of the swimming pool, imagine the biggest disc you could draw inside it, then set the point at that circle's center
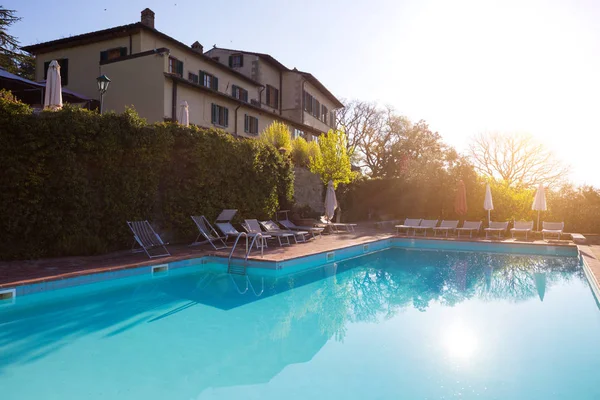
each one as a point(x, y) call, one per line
point(402, 323)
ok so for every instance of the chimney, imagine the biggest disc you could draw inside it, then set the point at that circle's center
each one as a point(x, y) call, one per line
point(197, 47)
point(148, 18)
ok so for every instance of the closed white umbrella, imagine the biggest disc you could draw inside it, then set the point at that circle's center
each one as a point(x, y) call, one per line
point(488, 204)
point(330, 202)
point(53, 95)
point(184, 114)
point(539, 203)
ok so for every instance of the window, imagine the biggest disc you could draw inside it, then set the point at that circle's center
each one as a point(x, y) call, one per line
point(239, 93)
point(272, 97)
point(193, 77)
point(219, 115)
point(111, 54)
point(175, 67)
point(64, 70)
point(208, 80)
point(236, 60)
point(324, 113)
point(332, 119)
point(298, 133)
point(250, 124)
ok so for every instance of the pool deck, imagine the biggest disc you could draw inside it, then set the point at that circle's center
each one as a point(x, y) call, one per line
point(17, 273)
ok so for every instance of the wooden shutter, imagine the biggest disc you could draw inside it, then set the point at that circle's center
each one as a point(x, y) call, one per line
point(213, 114)
point(245, 122)
point(230, 61)
point(241, 60)
point(268, 94)
point(104, 55)
point(245, 96)
point(215, 83)
point(180, 68)
point(276, 97)
point(64, 71)
point(46, 66)
point(123, 51)
point(201, 77)
point(225, 116)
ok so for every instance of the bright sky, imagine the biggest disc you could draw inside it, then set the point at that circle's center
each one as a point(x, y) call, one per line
point(465, 66)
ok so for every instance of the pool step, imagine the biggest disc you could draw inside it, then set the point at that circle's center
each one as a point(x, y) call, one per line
point(236, 269)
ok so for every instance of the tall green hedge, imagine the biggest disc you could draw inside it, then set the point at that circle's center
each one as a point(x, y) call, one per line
point(70, 179)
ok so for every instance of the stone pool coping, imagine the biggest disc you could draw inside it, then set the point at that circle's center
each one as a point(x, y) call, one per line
point(72, 267)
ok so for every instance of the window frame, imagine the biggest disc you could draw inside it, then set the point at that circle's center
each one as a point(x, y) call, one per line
point(272, 91)
point(194, 78)
point(238, 92)
point(175, 66)
point(249, 123)
point(232, 59)
point(64, 70)
point(220, 112)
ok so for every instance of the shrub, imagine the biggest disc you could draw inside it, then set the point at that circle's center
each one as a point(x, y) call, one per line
point(300, 152)
point(277, 135)
point(72, 178)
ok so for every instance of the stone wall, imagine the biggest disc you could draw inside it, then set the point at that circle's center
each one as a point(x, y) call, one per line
point(308, 190)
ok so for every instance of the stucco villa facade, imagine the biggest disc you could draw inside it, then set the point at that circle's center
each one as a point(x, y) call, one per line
point(239, 92)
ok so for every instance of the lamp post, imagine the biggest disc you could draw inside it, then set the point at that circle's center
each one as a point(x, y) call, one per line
point(103, 83)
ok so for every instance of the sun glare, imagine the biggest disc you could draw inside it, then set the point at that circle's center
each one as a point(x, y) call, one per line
point(460, 341)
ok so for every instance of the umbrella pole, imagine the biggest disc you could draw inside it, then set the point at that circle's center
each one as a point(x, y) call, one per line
point(488, 218)
point(538, 220)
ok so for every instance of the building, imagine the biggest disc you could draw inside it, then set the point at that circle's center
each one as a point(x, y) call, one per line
point(239, 92)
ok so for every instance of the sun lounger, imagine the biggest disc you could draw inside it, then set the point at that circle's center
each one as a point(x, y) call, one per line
point(408, 225)
point(271, 226)
point(445, 226)
point(229, 231)
point(209, 233)
point(469, 226)
point(335, 226)
point(252, 226)
point(293, 227)
point(496, 227)
point(425, 225)
point(147, 239)
point(226, 215)
point(383, 224)
point(552, 228)
point(522, 227)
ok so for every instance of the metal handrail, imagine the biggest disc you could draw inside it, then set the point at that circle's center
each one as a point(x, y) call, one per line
point(233, 248)
point(262, 289)
point(262, 246)
point(237, 287)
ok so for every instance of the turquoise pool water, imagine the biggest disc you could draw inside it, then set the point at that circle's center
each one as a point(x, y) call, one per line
point(397, 324)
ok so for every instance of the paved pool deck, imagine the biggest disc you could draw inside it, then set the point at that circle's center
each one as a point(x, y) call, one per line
point(17, 273)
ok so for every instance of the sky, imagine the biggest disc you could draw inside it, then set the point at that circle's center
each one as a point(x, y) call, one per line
point(464, 66)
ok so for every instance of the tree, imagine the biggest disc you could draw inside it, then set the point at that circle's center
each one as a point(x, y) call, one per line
point(516, 159)
point(359, 119)
point(11, 58)
point(333, 162)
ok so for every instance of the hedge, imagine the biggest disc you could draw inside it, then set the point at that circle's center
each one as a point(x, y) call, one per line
point(70, 179)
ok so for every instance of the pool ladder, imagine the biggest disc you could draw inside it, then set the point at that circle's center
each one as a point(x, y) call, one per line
point(241, 269)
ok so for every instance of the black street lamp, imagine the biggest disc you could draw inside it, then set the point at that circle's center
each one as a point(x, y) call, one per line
point(103, 83)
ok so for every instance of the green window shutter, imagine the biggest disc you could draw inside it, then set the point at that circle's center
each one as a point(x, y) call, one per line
point(268, 94)
point(46, 66)
point(226, 116)
point(246, 123)
point(245, 96)
point(201, 77)
point(230, 61)
point(276, 98)
point(180, 68)
point(241, 60)
point(104, 55)
point(215, 83)
point(123, 51)
point(213, 118)
point(233, 90)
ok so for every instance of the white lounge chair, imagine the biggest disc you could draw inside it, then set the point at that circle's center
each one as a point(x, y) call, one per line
point(409, 223)
point(496, 227)
point(469, 226)
point(229, 231)
point(147, 239)
point(271, 226)
point(522, 227)
point(552, 228)
point(252, 226)
point(445, 226)
point(209, 233)
point(226, 215)
point(425, 225)
point(293, 227)
point(335, 226)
